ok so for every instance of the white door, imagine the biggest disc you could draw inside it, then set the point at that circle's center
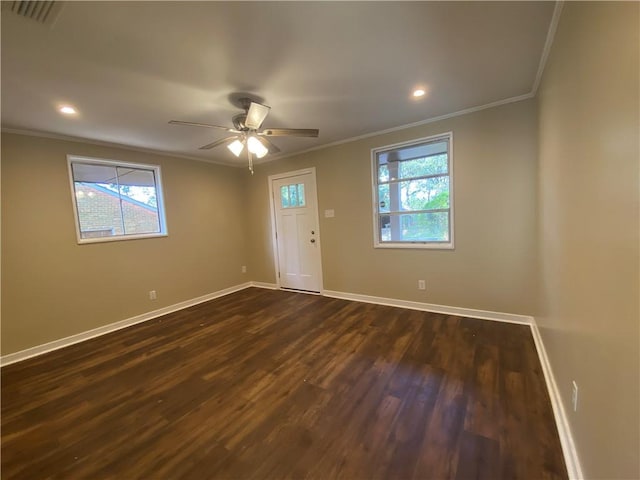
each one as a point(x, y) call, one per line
point(296, 230)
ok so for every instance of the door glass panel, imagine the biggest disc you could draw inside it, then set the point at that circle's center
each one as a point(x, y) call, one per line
point(292, 196)
point(284, 196)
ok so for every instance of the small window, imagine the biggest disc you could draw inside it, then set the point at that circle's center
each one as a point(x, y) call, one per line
point(115, 200)
point(292, 196)
point(412, 194)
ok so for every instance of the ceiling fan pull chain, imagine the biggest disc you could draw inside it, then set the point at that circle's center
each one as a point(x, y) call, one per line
point(250, 161)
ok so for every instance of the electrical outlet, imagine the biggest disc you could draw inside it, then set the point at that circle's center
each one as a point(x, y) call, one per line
point(421, 285)
point(152, 295)
point(574, 395)
point(243, 269)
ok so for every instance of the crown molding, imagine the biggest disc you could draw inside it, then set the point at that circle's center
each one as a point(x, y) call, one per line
point(101, 143)
point(419, 123)
point(553, 25)
point(551, 33)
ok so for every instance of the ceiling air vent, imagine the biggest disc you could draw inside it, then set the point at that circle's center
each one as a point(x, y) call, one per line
point(45, 12)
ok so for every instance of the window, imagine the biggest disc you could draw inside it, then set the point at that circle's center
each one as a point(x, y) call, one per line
point(412, 194)
point(292, 196)
point(115, 200)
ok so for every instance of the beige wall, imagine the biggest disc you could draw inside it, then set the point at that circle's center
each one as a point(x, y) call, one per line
point(589, 232)
point(493, 264)
point(52, 287)
point(546, 200)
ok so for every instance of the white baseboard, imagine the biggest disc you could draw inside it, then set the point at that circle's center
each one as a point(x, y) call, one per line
point(112, 327)
point(269, 286)
point(431, 307)
point(566, 439)
point(569, 451)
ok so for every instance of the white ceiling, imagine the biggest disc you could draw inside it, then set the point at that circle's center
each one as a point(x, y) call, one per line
point(347, 68)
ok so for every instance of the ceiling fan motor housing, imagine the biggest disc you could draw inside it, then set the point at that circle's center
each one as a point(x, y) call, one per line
point(239, 122)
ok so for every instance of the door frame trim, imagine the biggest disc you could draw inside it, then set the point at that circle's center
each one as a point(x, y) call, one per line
point(272, 214)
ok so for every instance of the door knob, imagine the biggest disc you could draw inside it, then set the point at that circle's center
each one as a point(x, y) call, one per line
point(313, 240)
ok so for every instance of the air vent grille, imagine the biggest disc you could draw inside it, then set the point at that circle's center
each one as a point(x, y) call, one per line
point(44, 12)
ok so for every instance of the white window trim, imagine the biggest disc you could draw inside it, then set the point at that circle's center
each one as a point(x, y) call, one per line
point(374, 191)
point(102, 161)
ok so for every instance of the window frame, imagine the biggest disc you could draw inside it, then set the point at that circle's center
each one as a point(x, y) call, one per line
point(411, 244)
point(71, 159)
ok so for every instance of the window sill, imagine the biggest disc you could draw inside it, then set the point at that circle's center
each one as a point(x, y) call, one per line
point(82, 241)
point(416, 245)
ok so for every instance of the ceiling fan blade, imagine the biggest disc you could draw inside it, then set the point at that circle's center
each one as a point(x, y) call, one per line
point(222, 141)
point(206, 125)
point(256, 115)
point(267, 143)
point(290, 132)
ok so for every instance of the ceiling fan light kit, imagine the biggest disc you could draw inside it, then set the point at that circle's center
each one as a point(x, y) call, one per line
point(247, 132)
point(255, 146)
point(236, 147)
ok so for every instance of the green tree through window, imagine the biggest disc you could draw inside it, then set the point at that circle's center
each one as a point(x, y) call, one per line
point(412, 190)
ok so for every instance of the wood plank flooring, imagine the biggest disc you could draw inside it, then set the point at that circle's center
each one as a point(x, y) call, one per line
point(272, 384)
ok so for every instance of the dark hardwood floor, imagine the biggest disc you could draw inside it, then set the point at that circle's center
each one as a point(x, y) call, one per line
point(271, 384)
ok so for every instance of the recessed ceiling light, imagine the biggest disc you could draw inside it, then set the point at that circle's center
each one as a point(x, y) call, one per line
point(67, 110)
point(419, 92)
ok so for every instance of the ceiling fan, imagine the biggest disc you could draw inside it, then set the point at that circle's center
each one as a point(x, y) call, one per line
point(247, 132)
